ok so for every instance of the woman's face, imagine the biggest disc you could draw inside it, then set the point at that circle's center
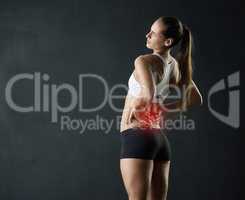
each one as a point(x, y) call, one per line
point(155, 38)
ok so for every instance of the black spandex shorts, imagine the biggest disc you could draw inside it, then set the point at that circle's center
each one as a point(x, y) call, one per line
point(150, 144)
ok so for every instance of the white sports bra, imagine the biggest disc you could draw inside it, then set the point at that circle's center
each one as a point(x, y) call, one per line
point(162, 88)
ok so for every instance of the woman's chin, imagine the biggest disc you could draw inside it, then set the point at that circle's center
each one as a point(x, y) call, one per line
point(147, 45)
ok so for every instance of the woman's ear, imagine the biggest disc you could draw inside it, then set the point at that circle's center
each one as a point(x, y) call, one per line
point(168, 42)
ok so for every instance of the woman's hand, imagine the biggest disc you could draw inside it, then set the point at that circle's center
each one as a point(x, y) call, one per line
point(145, 113)
point(138, 105)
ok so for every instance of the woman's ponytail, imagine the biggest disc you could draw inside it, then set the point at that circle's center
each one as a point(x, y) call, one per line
point(182, 36)
point(184, 57)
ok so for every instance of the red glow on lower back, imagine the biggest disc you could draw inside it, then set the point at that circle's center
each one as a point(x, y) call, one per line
point(151, 116)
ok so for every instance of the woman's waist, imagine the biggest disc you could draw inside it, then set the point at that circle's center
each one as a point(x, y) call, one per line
point(137, 126)
point(140, 130)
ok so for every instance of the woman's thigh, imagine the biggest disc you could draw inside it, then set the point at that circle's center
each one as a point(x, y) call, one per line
point(159, 181)
point(136, 174)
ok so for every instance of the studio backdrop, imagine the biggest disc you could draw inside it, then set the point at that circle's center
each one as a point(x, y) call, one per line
point(64, 70)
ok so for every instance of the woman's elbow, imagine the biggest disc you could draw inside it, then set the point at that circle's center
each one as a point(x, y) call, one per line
point(196, 100)
point(196, 97)
point(201, 100)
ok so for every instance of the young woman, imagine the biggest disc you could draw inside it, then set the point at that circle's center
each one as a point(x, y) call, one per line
point(145, 150)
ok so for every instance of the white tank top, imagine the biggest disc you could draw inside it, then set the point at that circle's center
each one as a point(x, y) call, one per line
point(162, 88)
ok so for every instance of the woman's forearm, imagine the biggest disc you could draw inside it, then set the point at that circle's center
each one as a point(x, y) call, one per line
point(190, 98)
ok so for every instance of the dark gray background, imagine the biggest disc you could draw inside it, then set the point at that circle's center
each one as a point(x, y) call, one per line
point(67, 38)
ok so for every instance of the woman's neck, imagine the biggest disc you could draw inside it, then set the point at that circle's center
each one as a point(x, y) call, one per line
point(164, 54)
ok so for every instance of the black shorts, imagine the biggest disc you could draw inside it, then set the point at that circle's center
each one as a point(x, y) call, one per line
point(150, 144)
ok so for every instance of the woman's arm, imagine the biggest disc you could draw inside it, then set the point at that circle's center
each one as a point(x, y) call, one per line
point(193, 96)
point(190, 98)
point(145, 79)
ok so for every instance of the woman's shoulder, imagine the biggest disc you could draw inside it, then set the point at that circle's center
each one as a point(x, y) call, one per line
point(143, 61)
point(146, 59)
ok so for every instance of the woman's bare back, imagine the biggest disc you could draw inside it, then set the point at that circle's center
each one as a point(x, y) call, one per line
point(156, 66)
